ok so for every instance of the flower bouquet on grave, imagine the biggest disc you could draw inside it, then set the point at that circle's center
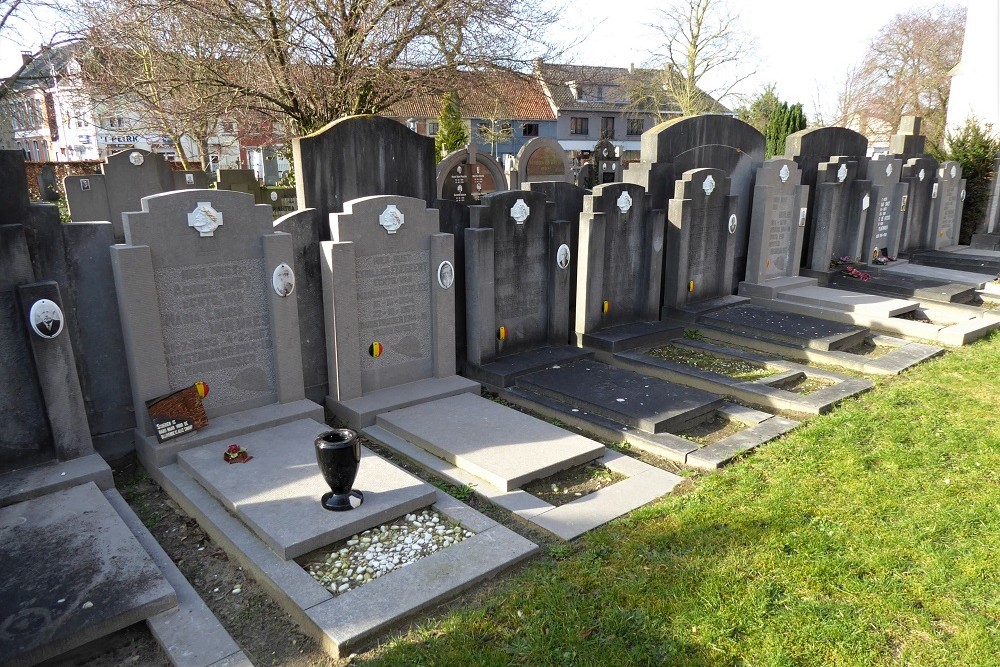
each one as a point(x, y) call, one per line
point(236, 454)
point(853, 272)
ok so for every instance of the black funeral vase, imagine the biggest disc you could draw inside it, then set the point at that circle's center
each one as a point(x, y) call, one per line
point(338, 453)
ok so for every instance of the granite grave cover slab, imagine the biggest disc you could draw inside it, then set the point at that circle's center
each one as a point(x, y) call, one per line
point(73, 572)
point(277, 493)
point(503, 446)
point(630, 398)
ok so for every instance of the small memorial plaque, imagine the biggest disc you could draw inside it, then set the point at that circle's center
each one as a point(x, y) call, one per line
point(446, 274)
point(709, 185)
point(136, 158)
point(562, 256)
point(784, 173)
point(842, 173)
point(189, 179)
point(178, 413)
point(391, 219)
point(733, 223)
point(802, 217)
point(520, 211)
point(624, 202)
point(283, 280)
point(85, 184)
point(46, 318)
point(204, 218)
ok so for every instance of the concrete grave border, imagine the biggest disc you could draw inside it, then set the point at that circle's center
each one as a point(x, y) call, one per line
point(342, 623)
point(645, 484)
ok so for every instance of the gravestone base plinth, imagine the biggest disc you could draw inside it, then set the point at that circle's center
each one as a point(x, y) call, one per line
point(985, 242)
point(629, 336)
point(504, 371)
point(360, 412)
point(769, 289)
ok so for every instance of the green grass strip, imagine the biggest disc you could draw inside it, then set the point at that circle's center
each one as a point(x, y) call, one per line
point(869, 536)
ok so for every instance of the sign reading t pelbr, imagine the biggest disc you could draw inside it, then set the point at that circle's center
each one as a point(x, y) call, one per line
point(178, 413)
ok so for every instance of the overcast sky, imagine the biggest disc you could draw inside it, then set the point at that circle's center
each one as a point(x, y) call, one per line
point(804, 48)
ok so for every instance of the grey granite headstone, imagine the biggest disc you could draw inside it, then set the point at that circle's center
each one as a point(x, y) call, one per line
point(991, 224)
point(240, 180)
point(810, 148)
point(708, 141)
point(203, 292)
point(388, 285)
point(128, 176)
point(542, 159)
point(777, 223)
point(907, 142)
point(362, 156)
point(946, 212)
point(25, 438)
point(620, 259)
point(883, 220)
point(466, 175)
point(702, 224)
point(518, 268)
point(14, 199)
point(47, 183)
point(840, 206)
point(919, 176)
point(607, 163)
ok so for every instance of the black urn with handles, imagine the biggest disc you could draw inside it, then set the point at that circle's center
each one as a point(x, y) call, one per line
point(338, 453)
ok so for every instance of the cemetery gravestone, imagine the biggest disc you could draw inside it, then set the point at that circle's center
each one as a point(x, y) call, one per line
point(517, 263)
point(541, 159)
point(388, 279)
point(946, 213)
point(777, 225)
point(918, 175)
point(840, 205)
point(607, 162)
point(126, 178)
point(809, 149)
point(620, 265)
point(882, 228)
point(200, 300)
point(701, 237)
point(361, 156)
point(708, 141)
point(466, 175)
point(907, 142)
point(987, 234)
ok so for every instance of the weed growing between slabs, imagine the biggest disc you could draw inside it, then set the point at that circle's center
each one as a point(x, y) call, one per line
point(866, 537)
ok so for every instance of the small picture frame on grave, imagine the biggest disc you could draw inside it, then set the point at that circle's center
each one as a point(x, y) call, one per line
point(85, 184)
point(189, 179)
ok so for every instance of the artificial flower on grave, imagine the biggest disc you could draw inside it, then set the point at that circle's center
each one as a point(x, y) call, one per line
point(236, 454)
point(855, 273)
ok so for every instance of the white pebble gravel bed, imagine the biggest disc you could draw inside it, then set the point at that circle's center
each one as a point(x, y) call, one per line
point(388, 547)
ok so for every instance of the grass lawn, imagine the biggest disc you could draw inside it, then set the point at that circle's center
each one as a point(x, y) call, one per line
point(869, 536)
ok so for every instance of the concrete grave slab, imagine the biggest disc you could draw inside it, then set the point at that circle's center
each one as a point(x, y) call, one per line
point(341, 623)
point(630, 398)
point(73, 572)
point(870, 304)
point(645, 483)
point(277, 494)
point(969, 277)
point(907, 287)
point(502, 446)
point(787, 327)
point(767, 392)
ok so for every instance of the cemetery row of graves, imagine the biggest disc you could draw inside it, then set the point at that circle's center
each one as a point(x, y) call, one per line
point(695, 305)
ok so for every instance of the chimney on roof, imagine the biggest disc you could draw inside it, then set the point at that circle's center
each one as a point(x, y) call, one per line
point(27, 57)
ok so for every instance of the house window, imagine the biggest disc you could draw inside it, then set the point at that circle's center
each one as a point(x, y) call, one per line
point(529, 130)
point(608, 127)
point(432, 128)
point(634, 126)
point(579, 125)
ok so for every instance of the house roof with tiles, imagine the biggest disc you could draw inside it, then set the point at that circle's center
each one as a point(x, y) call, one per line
point(485, 95)
point(596, 88)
